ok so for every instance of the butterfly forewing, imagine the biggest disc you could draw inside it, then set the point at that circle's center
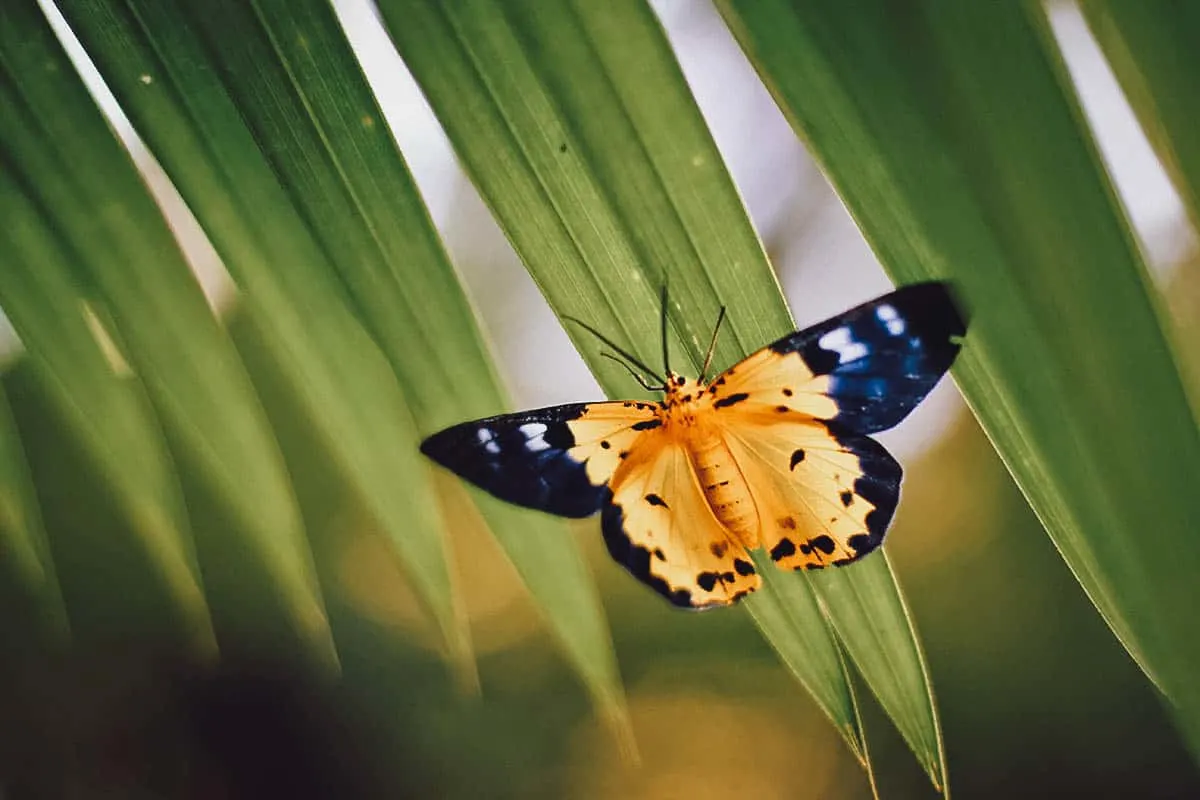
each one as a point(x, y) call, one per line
point(557, 459)
point(865, 369)
point(660, 527)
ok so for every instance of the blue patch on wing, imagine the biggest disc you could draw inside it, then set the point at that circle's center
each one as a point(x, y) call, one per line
point(522, 459)
point(883, 356)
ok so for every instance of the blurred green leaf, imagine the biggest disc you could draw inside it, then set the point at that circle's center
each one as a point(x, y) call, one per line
point(1152, 49)
point(105, 412)
point(29, 592)
point(355, 193)
point(951, 134)
point(256, 555)
point(576, 124)
point(157, 59)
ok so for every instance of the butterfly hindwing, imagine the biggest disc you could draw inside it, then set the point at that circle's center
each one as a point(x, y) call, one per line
point(864, 370)
point(557, 459)
point(825, 496)
point(660, 528)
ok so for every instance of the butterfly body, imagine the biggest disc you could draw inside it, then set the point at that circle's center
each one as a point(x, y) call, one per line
point(772, 454)
point(688, 422)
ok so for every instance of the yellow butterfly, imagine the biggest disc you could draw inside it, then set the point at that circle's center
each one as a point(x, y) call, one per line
point(773, 453)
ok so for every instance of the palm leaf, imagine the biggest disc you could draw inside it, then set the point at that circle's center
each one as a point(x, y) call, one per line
point(970, 161)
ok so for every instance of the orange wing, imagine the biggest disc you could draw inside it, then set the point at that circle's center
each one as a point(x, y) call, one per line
point(659, 526)
point(823, 497)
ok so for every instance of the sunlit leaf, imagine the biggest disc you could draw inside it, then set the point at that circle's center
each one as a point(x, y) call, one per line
point(950, 133)
point(178, 96)
point(1151, 47)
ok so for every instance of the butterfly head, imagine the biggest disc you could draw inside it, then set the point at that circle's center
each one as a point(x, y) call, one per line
point(681, 391)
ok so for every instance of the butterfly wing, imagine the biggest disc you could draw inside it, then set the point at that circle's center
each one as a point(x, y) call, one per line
point(824, 496)
point(864, 370)
point(557, 459)
point(796, 413)
point(659, 526)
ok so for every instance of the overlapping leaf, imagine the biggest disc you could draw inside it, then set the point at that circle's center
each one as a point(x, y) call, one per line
point(154, 57)
point(256, 553)
point(950, 132)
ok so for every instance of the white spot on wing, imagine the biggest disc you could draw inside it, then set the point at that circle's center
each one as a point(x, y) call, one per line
point(533, 432)
point(532, 429)
point(890, 317)
point(487, 438)
point(839, 341)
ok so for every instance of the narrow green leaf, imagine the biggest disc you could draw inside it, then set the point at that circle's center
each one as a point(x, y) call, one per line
point(29, 590)
point(576, 124)
point(105, 412)
point(256, 553)
point(862, 607)
point(950, 132)
point(165, 64)
point(783, 610)
point(1152, 49)
point(360, 201)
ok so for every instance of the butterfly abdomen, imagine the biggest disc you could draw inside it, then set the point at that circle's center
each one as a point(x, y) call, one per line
point(724, 487)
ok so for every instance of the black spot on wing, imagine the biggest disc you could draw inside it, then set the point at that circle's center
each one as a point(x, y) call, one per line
point(522, 459)
point(646, 425)
point(731, 400)
point(847, 498)
point(786, 547)
point(635, 558)
point(655, 500)
point(885, 355)
point(824, 543)
point(743, 567)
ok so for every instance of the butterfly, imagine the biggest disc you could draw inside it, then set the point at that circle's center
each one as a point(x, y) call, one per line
point(774, 453)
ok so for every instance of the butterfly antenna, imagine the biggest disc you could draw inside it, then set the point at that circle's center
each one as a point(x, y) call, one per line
point(617, 348)
point(712, 345)
point(637, 376)
point(663, 329)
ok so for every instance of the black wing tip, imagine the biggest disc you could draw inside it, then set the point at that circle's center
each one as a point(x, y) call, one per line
point(936, 305)
point(434, 446)
point(446, 447)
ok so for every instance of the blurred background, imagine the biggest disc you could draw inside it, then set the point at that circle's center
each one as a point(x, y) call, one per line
point(1036, 697)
